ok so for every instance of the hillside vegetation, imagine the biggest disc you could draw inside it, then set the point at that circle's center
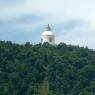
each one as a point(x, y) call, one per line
point(46, 70)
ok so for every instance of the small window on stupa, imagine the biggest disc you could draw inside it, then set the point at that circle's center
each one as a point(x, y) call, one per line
point(50, 39)
point(41, 40)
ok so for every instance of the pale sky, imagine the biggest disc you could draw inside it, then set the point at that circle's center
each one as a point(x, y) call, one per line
point(72, 21)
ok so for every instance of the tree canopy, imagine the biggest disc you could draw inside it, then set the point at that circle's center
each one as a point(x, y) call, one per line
point(46, 70)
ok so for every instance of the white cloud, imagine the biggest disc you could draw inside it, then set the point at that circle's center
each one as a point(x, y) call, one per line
point(60, 9)
point(82, 36)
point(56, 11)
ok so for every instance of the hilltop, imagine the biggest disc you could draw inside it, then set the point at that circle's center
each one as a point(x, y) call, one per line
point(46, 69)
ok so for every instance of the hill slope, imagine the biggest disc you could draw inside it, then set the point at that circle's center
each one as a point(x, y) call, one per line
point(46, 70)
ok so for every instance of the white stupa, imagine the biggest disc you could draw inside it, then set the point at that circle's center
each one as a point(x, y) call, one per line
point(48, 36)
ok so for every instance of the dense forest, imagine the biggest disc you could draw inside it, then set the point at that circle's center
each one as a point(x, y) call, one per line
point(46, 70)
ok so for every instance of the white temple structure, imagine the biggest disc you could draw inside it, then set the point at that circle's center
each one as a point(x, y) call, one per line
point(48, 36)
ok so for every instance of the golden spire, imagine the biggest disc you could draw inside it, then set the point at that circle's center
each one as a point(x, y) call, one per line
point(48, 28)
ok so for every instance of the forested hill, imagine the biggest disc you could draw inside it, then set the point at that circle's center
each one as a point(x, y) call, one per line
point(46, 70)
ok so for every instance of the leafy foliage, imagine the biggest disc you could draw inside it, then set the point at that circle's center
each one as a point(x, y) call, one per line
point(46, 70)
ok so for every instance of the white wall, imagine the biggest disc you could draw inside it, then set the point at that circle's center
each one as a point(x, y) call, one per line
point(48, 38)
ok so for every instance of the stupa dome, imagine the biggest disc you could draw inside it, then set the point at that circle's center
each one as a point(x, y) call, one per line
point(47, 33)
point(48, 36)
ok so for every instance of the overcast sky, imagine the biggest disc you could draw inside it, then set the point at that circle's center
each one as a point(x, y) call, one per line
point(72, 21)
